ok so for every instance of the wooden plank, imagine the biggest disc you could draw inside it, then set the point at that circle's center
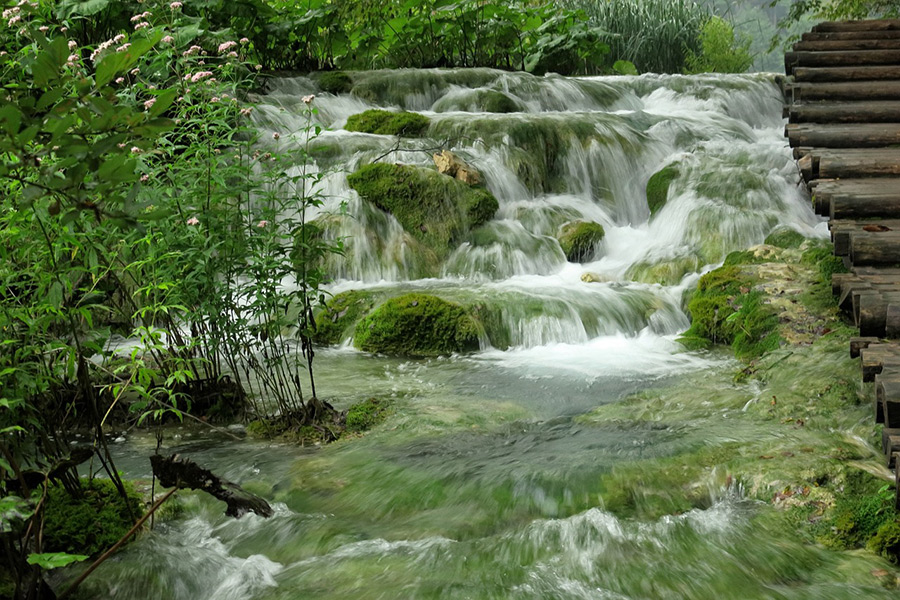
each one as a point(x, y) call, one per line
point(887, 395)
point(852, 44)
point(841, 230)
point(851, 163)
point(862, 25)
point(840, 58)
point(843, 90)
point(878, 358)
point(828, 74)
point(820, 36)
point(867, 248)
point(874, 111)
point(861, 135)
point(859, 342)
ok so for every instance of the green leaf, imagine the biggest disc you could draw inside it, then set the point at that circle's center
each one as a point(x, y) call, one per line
point(80, 8)
point(118, 62)
point(625, 67)
point(53, 560)
point(163, 101)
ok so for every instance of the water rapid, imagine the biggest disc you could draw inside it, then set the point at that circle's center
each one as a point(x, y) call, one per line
point(484, 483)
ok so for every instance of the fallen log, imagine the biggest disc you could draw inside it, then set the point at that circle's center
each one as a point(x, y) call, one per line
point(178, 472)
point(887, 398)
point(858, 343)
point(820, 36)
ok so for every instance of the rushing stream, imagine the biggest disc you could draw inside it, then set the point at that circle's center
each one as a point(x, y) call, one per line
point(483, 484)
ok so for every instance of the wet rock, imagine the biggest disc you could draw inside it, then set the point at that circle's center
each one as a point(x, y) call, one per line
point(589, 277)
point(579, 240)
point(450, 164)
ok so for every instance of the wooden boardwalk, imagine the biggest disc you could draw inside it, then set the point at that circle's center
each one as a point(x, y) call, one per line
point(842, 95)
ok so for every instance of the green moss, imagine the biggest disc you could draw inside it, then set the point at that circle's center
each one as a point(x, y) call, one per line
point(784, 237)
point(383, 122)
point(417, 325)
point(91, 523)
point(658, 187)
point(665, 272)
point(822, 256)
point(335, 82)
point(367, 414)
point(435, 209)
point(859, 511)
point(886, 541)
point(726, 310)
point(333, 324)
point(579, 240)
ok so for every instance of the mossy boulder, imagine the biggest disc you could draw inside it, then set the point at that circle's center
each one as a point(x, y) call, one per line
point(417, 325)
point(579, 240)
point(335, 322)
point(658, 187)
point(886, 541)
point(725, 309)
point(479, 100)
point(785, 237)
point(91, 523)
point(335, 82)
point(436, 210)
point(384, 122)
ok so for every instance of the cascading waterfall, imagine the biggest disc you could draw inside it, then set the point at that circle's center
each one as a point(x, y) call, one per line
point(484, 485)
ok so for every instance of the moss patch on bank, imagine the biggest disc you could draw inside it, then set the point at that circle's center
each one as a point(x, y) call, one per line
point(385, 122)
point(91, 523)
point(435, 209)
point(417, 325)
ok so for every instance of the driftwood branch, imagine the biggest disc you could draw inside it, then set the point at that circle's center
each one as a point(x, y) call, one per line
point(178, 472)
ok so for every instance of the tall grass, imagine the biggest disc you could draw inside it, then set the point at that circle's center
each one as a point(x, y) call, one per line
point(655, 35)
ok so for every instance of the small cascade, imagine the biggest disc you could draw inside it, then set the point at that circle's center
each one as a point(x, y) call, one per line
point(554, 151)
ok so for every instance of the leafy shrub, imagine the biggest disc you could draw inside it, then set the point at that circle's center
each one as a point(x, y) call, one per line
point(720, 51)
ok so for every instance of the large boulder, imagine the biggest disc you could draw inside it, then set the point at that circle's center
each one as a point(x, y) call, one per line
point(417, 325)
point(579, 240)
point(436, 210)
point(335, 322)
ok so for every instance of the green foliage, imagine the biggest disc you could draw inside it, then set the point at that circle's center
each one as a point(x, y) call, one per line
point(726, 310)
point(335, 82)
point(91, 522)
point(365, 415)
point(785, 237)
point(433, 208)
point(658, 187)
point(54, 560)
point(384, 122)
point(341, 313)
point(625, 67)
point(417, 325)
point(886, 541)
point(579, 240)
point(720, 51)
point(654, 35)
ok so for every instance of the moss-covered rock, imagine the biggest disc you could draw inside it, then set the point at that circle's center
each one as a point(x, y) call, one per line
point(417, 325)
point(335, 322)
point(91, 523)
point(725, 309)
point(579, 240)
point(479, 100)
point(436, 210)
point(785, 237)
point(335, 82)
point(365, 415)
point(384, 122)
point(658, 187)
